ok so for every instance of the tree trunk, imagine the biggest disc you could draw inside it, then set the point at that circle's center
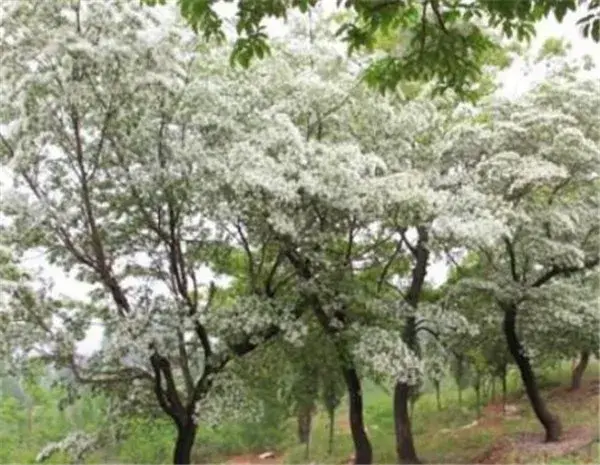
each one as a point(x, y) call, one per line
point(438, 399)
point(363, 453)
point(331, 414)
point(304, 422)
point(186, 434)
point(478, 394)
point(504, 389)
point(405, 448)
point(550, 422)
point(579, 369)
point(493, 389)
point(459, 377)
point(307, 449)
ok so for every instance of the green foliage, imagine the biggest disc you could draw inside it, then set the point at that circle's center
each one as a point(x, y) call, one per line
point(590, 23)
point(553, 47)
point(445, 40)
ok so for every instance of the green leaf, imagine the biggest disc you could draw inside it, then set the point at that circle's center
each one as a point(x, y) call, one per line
point(596, 30)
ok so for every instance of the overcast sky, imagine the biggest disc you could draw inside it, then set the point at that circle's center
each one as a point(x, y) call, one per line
point(514, 83)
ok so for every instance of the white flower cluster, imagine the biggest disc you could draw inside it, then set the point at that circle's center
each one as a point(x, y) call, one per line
point(229, 398)
point(76, 445)
point(384, 353)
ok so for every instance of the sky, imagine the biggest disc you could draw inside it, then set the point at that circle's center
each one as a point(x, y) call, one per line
point(517, 79)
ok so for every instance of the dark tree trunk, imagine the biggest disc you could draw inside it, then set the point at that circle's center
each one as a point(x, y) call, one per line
point(438, 399)
point(504, 389)
point(459, 377)
point(363, 453)
point(331, 414)
point(550, 422)
point(579, 369)
point(307, 449)
point(405, 448)
point(493, 389)
point(186, 434)
point(478, 393)
point(304, 423)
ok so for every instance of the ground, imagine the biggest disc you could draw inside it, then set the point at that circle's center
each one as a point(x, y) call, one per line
point(456, 435)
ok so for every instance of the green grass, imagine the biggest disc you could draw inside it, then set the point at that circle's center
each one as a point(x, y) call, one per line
point(438, 436)
point(434, 445)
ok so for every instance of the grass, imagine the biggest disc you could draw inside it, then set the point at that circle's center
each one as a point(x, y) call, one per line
point(438, 437)
point(438, 434)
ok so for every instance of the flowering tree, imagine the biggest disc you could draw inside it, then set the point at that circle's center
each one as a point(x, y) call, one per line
point(533, 165)
point(108, 132)
point(340, 177)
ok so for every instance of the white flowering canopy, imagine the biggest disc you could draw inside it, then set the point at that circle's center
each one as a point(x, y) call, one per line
point(111, 129)
point(533, 165)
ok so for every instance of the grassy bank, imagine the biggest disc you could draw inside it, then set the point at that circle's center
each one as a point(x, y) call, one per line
point(447, 436)
point(451, 436)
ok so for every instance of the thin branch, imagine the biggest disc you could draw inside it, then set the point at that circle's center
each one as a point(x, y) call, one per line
point(246, 246)
point(102, 262)
point(269, 289)
point(185, 363)
point(436, 11)
point(512, 259)
point(557, 270)
point(427, 329)
point(386, 267)
point(409, 246)
point(200, 329)
point(348, 257)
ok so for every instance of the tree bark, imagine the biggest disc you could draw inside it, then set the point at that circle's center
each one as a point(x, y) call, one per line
point(405, 448)
point(550, 422)
point(438, 399)
point(504, 389)
point(304, 422)
point(331, 414)
point(186, 435)
point(478, 393)
point(459, 377)
point(579, 369)
point(363, 453)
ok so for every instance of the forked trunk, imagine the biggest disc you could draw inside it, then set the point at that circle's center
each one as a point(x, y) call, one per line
point(186, 434)
point(579, 369)
point(550, 422)
point(363, 453)
point(405, 447)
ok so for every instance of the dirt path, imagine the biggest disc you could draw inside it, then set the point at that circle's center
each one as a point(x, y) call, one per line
point(528, 446)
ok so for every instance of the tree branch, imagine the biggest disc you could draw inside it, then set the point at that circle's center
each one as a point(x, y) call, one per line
point(512, 259)
point(386, 267)
point(556, 271)
point(168, 398)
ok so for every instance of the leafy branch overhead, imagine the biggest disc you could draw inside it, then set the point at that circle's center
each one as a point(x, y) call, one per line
point(445, 40)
